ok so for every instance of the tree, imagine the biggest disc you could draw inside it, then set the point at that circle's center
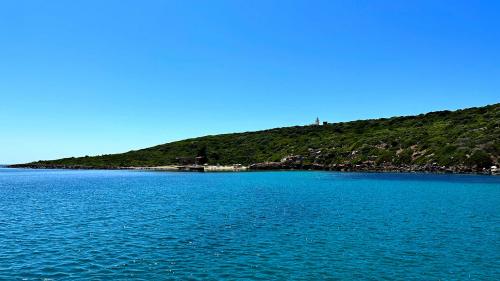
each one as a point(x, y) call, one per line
point(201, 155)
point(480, 159)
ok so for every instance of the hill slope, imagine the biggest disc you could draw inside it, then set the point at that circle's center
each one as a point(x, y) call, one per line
point(463, 139)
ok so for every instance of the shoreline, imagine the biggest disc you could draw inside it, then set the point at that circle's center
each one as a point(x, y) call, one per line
point(278, 166)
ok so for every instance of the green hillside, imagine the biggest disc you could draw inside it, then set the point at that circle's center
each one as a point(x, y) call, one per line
point(466, 137)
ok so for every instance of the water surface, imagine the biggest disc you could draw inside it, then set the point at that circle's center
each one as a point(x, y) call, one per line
point(63, 224)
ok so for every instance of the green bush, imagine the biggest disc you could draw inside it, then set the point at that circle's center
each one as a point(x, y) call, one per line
point(444, 137)
point(480, 159)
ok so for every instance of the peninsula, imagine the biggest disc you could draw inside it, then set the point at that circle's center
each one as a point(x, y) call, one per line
point(462, 141)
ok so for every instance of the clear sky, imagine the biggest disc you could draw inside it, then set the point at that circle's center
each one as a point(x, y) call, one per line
point(95, 77)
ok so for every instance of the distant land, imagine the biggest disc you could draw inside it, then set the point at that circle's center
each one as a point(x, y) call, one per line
point(462, 141)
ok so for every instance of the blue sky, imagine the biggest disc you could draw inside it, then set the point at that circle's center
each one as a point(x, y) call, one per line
point(93, 77)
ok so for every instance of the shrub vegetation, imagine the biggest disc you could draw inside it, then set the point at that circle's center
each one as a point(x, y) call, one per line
point(463, 137)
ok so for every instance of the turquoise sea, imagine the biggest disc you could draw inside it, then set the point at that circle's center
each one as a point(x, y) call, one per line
point(132, 225)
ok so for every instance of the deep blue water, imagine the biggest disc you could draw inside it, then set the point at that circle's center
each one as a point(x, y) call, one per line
point(269, 226)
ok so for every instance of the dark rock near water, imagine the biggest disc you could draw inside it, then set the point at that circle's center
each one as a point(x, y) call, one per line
point(295, 163)
point(371, 167)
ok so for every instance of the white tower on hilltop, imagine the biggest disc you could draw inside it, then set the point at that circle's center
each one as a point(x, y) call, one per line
point(317, 121)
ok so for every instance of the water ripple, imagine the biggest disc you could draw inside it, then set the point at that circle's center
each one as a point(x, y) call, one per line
point(122, 225)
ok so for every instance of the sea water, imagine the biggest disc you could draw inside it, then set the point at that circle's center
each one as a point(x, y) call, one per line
point(123, 225)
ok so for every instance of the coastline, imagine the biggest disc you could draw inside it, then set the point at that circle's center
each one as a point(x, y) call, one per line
point(280, 166)
point(396, 144)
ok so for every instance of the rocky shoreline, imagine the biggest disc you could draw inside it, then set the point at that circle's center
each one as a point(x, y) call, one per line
point(375, 168)
point(283, 166)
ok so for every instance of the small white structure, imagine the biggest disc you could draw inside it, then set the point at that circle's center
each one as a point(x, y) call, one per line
point(494, 170)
